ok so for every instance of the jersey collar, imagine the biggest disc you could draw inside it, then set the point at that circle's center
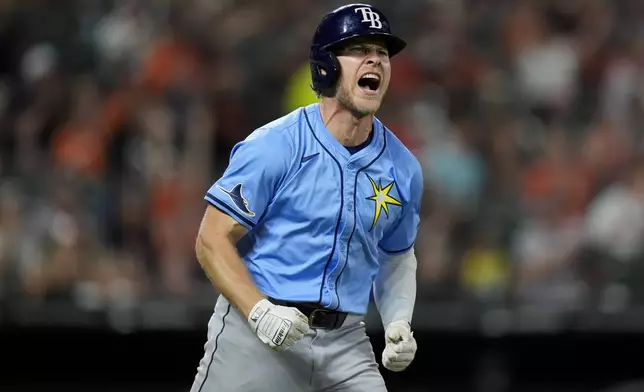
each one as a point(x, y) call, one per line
point(374, 148)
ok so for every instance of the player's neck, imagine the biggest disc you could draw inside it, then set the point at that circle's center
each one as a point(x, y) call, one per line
point(345, 127)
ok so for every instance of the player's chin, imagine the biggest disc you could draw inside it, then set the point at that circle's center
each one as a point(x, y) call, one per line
point(367, 104)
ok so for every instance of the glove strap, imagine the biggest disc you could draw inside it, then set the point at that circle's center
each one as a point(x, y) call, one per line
point(257, 312)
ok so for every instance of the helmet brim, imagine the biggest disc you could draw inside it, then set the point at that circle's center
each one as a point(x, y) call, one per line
point(394, 44)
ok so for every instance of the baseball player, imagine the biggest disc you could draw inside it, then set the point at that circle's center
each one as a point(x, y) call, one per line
point(315, 210)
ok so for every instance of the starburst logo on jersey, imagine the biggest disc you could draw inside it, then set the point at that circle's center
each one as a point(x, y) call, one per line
point(382, 199)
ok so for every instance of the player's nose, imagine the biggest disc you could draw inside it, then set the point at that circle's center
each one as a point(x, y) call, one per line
point(373, 59)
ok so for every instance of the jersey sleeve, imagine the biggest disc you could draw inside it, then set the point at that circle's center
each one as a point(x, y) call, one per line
point(257, 166)
point(402, 235)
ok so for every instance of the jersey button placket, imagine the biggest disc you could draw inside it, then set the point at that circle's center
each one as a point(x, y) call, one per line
point(349, 175)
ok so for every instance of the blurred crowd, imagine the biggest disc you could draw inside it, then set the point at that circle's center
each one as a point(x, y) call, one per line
point(526, 115)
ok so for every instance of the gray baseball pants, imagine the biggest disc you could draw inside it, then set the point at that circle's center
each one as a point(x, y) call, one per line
point(235, 360)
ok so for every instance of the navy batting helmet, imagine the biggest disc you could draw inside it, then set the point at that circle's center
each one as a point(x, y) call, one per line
point(338, 26)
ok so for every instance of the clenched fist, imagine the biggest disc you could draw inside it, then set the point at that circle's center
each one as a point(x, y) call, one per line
point(400, 348)
point(277, 326)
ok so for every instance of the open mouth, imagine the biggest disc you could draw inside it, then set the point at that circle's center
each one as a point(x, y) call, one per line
point(369, 82)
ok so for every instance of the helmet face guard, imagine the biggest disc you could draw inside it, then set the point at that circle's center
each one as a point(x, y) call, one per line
point(339, 26)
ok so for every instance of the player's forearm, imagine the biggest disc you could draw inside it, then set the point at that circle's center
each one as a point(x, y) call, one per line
point(226, 270)
point(395, 288)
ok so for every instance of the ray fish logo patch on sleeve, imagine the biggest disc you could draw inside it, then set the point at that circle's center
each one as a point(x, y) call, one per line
point(238, 199)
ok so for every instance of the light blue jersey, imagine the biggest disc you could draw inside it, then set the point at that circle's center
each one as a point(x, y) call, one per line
point(320, 219)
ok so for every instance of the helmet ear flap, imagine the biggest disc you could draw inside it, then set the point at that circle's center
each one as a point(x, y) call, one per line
point(325, 71)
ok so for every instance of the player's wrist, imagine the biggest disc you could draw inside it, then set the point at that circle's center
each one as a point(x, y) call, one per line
point(247, 304)
point(257, 311)
point(399, 324)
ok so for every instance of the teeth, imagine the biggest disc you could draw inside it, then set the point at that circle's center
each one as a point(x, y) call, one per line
point(371, 76)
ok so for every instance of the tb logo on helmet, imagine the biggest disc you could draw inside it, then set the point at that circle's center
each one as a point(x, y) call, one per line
point(369, 16)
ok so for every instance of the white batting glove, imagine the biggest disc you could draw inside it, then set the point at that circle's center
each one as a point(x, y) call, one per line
point(400, 348)
point(277, 326)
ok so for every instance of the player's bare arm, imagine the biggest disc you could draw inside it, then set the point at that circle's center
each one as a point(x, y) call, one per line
point(217, 255)
point(277, 326)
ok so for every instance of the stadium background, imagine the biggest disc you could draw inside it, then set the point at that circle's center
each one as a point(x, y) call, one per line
point(116, 115)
